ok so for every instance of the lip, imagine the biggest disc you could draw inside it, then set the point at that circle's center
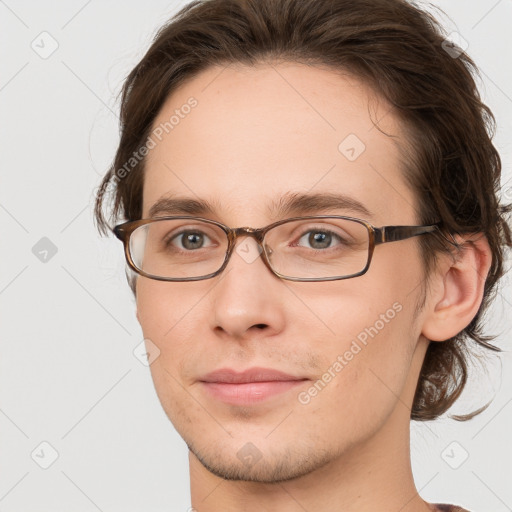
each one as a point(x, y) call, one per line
point(256, 374)
point(250, 386)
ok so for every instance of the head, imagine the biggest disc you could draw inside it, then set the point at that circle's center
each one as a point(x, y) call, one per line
point(245, 105)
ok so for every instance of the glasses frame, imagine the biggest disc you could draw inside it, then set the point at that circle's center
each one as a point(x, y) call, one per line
point(377, 235)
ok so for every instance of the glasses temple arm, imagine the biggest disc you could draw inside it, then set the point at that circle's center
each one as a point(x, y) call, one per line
point(395, 233)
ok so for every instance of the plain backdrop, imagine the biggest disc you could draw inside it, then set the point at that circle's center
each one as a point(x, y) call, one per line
point(81, 428)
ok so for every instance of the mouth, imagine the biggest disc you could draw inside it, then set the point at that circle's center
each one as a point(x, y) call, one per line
point(250, 386)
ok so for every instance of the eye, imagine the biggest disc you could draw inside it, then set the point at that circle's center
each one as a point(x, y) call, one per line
point(189, 240)
point(319, 239)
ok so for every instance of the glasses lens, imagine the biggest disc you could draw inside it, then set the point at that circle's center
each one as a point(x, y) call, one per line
point(178, 248)
point(318, 248)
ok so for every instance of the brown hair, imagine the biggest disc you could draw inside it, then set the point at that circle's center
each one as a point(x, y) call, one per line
point(400, 51)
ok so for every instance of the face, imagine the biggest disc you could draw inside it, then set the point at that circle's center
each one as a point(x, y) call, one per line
point(256, 136)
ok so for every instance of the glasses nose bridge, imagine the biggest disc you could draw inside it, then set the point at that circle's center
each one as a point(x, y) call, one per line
point(257, 234)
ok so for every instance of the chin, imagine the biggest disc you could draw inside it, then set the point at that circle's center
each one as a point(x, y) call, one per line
point(249, 464)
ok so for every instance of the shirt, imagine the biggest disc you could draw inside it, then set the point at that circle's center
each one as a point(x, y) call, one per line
point(449, 508)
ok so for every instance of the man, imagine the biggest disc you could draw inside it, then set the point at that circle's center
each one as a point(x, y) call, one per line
point(292, 354)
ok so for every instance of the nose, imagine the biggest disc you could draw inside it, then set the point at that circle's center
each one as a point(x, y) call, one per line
point(248, 298)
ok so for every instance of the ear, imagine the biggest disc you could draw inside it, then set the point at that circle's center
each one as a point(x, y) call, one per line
point(458, 287)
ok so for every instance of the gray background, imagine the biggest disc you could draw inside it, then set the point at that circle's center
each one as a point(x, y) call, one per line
point(68, 375)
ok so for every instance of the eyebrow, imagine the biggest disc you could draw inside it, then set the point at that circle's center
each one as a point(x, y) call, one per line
point(181, 206)
point(298, 204)
point(290, 204)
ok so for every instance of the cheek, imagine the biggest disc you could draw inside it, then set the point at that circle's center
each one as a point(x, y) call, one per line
point(365, 370)
point(166, 317)
point(152, 307)
point(370, 342)
point(163, 308)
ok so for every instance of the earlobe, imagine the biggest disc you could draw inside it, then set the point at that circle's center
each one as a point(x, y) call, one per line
point(458, 289)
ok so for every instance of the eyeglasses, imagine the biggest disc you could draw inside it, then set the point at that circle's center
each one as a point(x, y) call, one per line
point(314, 248)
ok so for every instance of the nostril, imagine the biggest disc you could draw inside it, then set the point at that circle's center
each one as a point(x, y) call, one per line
point(261, 326)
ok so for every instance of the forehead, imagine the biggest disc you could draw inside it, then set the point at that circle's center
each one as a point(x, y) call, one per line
point(243, 137)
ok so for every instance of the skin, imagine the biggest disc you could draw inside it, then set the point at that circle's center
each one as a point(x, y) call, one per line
point(257, 134)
